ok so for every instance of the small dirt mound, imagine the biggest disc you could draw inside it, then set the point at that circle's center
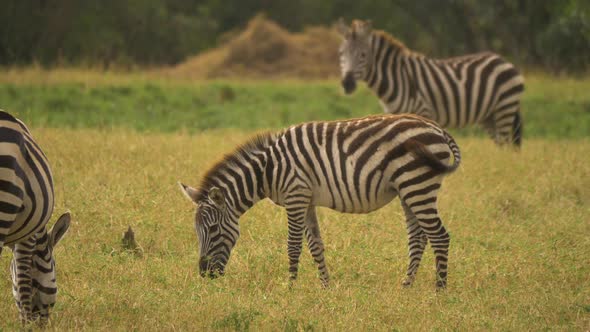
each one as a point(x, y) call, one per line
point(265, 50)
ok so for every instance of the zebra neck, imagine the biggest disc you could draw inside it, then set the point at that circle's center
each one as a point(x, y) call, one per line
point(243, 183)
point(42, 245)
point(246, 188)
point(240, 174)
point(390, 76)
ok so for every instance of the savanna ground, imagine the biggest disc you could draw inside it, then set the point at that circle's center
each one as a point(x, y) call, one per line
point(519, 221)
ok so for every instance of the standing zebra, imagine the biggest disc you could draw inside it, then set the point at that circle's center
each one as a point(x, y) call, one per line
point(472, 89)
point(26, 204)
point(354, 166)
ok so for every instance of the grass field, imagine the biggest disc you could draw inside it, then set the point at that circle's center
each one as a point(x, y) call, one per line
point(519, 221)
point(552, 108)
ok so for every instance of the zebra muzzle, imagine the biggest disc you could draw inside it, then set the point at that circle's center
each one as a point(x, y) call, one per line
point(210, 268)
point(349, 83)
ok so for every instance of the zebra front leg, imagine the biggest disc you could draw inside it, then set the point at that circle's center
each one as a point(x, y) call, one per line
point(508, 124)
point(416, 243)
point(2, 237)
point(316, 245)
point(22, 282)
point(296, 205)
point(5, 225)
point(294, 246)
point(489, 127)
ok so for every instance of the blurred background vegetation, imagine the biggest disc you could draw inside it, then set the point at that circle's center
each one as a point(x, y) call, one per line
point(549, 34)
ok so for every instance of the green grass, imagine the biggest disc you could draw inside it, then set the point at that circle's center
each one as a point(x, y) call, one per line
point(518, 257)
point(552, 108)
point(519, 221)
point(193, 107)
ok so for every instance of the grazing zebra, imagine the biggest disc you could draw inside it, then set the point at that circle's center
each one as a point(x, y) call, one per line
point(354, 166)
point(26, 204)
point(472, 89)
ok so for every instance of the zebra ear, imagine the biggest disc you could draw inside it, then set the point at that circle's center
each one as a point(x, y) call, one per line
point(189, 192)
point(59, 229)
point(364, 28)
point(216, 196)
point(342, 28)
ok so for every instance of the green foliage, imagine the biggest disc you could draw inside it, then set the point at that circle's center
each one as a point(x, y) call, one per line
point(551, 108)
point(152, 32)
point(566, 43)
point(236, 321)
point(160, 107)
point(102, 32)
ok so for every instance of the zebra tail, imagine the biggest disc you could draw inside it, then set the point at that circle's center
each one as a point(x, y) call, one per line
point(455, 150)
point(421, 152)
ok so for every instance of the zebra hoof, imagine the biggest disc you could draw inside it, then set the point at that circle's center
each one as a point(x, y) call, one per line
point(292, 280)
point(407, 283)
point(441, 285)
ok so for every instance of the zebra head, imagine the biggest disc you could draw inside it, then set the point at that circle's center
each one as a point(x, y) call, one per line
point(355, 52)
point(217, 229)
point(43, 289)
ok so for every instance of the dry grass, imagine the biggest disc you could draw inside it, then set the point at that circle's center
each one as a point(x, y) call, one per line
point(518, 258)
point(266, 50)
point(38, 75)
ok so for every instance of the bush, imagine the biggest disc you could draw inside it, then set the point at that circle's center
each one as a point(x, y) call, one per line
point(566, 44)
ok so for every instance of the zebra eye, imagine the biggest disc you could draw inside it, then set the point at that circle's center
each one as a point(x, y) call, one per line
point(363, 55)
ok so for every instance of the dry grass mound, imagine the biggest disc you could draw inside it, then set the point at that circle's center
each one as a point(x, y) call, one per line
point(266, 50)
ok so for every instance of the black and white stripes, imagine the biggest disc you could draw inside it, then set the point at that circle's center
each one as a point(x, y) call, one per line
point(353, 166)
point(479, 88)
point(26, 204)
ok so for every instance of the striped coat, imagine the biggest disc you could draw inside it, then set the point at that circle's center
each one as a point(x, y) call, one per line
point(26, 205)
point(472, 89)
point(353, 166)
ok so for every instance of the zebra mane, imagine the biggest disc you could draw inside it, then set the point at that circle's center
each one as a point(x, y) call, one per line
point(394, 42)
point(360, 27)
point(258, 143)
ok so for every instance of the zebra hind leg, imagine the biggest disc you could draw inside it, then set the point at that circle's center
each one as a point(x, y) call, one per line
point(428, 219)
point(417, 241)
point(507, 123)
point(517, 129)
point(316, 245)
